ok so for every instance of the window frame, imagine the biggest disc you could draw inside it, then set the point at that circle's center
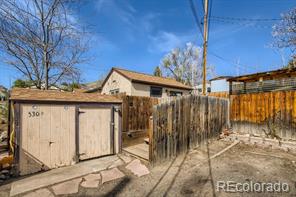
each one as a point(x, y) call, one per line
point(160, 89)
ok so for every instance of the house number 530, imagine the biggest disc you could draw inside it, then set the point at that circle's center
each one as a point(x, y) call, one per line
point(34, 114)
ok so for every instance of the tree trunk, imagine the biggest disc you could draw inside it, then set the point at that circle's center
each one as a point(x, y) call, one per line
point(46, 70)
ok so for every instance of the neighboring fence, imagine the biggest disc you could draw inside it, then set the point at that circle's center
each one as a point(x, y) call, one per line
point(136, 111)
point(184, 123)
point(269, 114)
point(219, 94)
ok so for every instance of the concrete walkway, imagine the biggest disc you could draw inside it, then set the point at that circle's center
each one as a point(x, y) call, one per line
point(61, 174)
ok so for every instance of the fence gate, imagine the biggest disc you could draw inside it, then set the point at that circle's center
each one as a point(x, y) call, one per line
point(95, 134)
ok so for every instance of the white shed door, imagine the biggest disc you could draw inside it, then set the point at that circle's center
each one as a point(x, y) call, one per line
point(47, 137)
point(94, 132)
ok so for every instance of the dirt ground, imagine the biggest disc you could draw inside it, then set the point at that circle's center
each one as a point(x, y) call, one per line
point(193, 175)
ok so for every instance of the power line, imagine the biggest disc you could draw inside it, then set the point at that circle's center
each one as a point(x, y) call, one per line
point(246, 19)
point(242, 24)
point(197, 21)
point(231, 62)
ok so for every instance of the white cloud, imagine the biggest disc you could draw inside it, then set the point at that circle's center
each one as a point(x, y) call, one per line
point(124, 12)
point(166, 41)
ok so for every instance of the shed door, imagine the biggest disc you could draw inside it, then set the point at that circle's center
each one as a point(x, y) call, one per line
point(47, 137)
point(95, 135)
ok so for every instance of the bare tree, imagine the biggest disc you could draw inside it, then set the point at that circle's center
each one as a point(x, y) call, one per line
point(41, 39)
point(284, 32)
point(184, 65)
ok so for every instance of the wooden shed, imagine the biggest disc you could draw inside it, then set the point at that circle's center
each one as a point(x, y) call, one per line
point(52, 129)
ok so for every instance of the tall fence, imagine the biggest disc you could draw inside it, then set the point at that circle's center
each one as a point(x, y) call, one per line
point(136, 111)
point(219, 94)
point(269, 114)
point(184, 123)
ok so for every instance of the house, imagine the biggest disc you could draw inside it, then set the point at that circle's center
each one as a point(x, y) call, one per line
point(274, 80)
point(92, 87)
point(198, 88)
point(139, 84)
point(3, 93)
point(220, 84)
point(52, 128)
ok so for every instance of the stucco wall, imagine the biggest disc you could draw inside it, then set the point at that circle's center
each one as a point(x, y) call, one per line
point(219, 86)
point(117, 81)
point(139, 89)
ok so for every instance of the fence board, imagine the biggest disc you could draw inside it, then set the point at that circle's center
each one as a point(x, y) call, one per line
point(268, 114)
point(184, 123)
point(136, 111)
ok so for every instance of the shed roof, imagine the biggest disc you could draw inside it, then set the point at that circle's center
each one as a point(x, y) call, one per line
point(148, 79)
point(268, 75)
point(22, 94)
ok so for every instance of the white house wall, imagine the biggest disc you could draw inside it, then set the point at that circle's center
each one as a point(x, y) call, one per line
point(139, 89)
point(219, 86)
point(117, 81)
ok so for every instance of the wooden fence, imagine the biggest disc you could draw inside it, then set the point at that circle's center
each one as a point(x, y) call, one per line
point(185, 123)
point(136, 111)
point(269, 114)
point(219, 94)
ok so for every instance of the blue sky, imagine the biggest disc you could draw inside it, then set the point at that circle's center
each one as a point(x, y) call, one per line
point(136, 34)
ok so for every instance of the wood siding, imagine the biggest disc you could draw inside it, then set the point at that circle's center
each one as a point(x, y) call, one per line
point(184, 123)
point(94, 132)
point(47, 137)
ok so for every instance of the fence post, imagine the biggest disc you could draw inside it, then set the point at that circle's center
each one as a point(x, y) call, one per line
point(150, 133)
point(228, 113)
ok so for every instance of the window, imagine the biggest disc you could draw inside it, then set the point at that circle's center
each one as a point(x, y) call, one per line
point(155, 91)
point(115, 91)
point(175, 93)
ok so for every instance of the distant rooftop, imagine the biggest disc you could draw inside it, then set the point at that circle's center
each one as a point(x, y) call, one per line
point(149, 79)
point(267, 75)
point(220, 77)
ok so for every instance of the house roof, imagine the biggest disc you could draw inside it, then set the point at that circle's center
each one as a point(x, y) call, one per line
point(92, 86)
point(22, 94)
point(268, 75)
point(220, 77)
point(148, 79)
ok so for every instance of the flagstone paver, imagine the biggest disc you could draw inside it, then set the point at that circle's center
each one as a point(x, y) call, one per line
point(91, 181)
point(137, 168)
point(91, 177)
point(69, 187)
point(112, 174)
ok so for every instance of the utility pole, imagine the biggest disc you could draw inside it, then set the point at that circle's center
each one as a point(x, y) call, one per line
point(205, 45)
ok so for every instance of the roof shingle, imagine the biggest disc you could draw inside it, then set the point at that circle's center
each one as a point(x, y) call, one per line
point(150, 79)
point(23, 94)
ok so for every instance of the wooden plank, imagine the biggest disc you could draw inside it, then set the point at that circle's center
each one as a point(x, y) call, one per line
point(185, 123)
point(94, 132)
